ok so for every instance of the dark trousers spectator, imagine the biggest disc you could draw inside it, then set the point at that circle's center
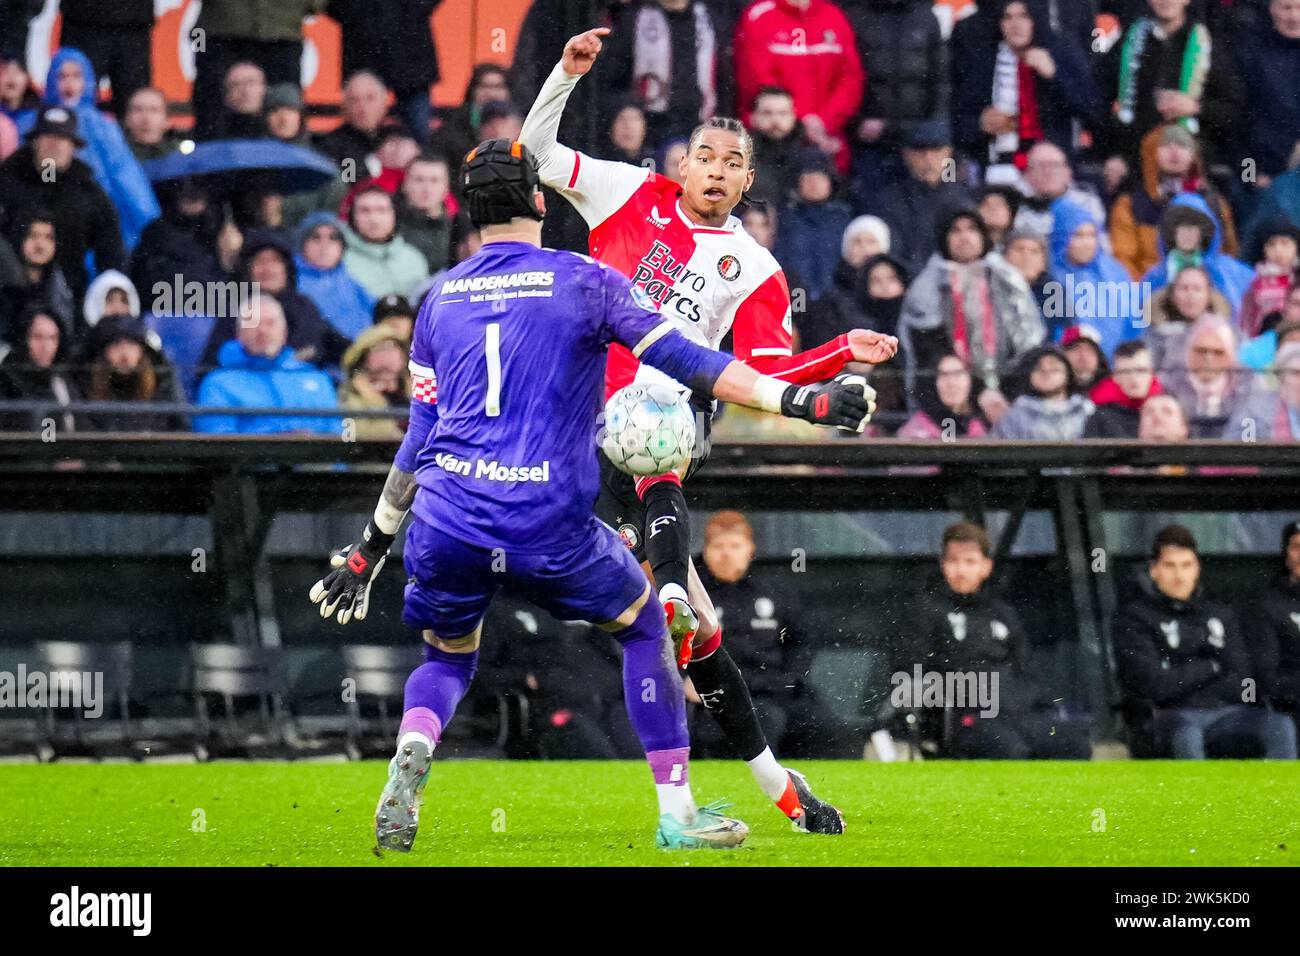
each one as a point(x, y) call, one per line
point(280, 60)
point(121, 53)
point(1187, 732)
point(1038, 735)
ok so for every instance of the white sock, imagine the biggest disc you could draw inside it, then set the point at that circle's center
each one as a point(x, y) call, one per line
point(675, 798)
point(411, 735)
point(670, 591)
point(771, 776)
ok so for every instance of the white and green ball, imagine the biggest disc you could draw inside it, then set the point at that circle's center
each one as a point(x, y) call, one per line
point(649, 429)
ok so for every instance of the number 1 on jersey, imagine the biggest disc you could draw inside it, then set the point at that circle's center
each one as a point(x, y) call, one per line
point(492, 347)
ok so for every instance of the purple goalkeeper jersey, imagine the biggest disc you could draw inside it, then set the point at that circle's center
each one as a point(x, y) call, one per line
point(512, 345)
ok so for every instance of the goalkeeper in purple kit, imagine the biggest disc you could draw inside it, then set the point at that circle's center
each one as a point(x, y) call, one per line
point(499, 467)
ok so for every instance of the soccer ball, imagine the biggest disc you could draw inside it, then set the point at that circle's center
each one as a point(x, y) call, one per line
point(649, 429)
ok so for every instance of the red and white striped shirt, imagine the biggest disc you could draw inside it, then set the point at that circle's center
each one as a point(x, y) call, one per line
point(708, 281)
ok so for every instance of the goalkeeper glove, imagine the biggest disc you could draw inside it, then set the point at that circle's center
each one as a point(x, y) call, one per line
point(846, 402)
point(346, 588)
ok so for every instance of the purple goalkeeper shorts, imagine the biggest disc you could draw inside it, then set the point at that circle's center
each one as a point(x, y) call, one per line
point(452, 582)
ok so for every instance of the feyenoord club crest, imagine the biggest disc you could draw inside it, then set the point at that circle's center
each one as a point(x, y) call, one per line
point(1216, 633)
point(628, 533)
point(729, 268)
point(1172, 637)
point(957, 621)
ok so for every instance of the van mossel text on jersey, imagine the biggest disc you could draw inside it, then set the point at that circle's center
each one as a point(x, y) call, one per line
point(492, 470)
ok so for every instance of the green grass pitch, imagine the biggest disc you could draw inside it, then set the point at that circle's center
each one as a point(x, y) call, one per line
point(486, 813)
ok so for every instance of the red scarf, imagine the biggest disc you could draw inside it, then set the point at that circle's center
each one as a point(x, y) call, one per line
point(1282, 423)
point(1028, 128)
point(960, 332)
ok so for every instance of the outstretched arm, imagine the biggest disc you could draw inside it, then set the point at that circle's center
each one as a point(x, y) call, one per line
point(596, 187)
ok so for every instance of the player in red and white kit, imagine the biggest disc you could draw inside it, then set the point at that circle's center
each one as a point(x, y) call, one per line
point(688, 257)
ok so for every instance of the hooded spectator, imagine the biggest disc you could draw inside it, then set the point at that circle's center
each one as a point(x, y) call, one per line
point(377, 256)
point(342, 300)
point(1269, 62)
point(1273, 277)
point(626, 137)
point(189, 240)
point(283, 112)
point(1171, 164)
point(865, 294)
point(663, 54)
point(1166, 68)
point(1119, 398)
point(915, 206)
point(71, 84)
point(1053, 410)
point(1273, 626)
point(998, 205)
point(365, 104)
point(266, 262)
point(111, 294)
point(32, 369)
point(1081, 348)
point(1280, 201)
point(38, 278)
point(1181, 661)
point(375, 378)
point(824, 76)
point(778, 142)
point(971, 302)
point(85, 221)
point(1092, 287)
point(393, 39)
point(904, 60)
point(1273, 416)
point(426, 210)
point(1020, 86)
point(813, 223)
point(1190, 235)
point(258, 369)
point(148, 130)
point(1212, 386)
point(124, 362)
point(945, 407)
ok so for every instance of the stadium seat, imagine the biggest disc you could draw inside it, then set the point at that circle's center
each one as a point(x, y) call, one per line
point(67, 730)
point(840, 678)
point(184, 337)
point(249, 682)
point(22, 732)
point(374, 706)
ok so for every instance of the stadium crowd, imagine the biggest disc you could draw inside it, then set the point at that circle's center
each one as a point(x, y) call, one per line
point(1081, 217)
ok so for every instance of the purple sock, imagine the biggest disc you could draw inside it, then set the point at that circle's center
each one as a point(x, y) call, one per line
point(652, 688)
point(434, 689)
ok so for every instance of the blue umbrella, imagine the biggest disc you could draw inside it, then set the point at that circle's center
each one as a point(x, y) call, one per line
point(227, 164)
